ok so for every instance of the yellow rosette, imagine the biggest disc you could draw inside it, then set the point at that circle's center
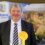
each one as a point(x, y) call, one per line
point(23, 36)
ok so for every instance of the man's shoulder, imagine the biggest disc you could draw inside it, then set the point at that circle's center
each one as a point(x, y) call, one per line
point(27, 23)
point(2, 23)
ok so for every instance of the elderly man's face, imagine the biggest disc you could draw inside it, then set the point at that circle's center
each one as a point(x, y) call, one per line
point(15, 13)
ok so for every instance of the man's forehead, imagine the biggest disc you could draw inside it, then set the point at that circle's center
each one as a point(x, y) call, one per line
point(16, 7)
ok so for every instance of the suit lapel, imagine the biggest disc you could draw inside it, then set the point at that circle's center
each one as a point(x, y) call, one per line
point(7, 32)
point(24, 28)
point(23, 25)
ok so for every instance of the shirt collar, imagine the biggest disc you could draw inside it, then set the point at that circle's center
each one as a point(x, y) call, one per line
point(18, 22)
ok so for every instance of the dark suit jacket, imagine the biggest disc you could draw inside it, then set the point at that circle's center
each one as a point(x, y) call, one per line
point(5, 33)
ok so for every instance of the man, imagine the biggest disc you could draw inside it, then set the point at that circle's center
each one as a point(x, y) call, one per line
point(7, 28)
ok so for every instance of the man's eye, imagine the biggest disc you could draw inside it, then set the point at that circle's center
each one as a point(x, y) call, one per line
point(18, 11)
point(13, 11)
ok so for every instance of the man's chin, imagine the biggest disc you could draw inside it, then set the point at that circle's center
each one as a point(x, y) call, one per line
point(16, 19)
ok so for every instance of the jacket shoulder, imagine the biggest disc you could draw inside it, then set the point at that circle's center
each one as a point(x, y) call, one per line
point(4, 23)
point(27, 23)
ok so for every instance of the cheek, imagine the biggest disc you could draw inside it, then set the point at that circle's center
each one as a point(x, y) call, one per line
point(16, 15)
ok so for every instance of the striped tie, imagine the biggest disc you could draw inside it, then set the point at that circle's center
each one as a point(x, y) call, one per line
point(15, 35)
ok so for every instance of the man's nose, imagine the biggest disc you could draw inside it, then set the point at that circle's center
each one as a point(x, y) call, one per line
point(16, 12)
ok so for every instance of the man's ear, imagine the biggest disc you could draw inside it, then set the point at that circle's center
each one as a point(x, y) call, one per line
point(10, 11)
point(22, 14)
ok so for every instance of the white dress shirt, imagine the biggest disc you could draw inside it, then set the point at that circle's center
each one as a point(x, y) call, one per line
point(12, 30)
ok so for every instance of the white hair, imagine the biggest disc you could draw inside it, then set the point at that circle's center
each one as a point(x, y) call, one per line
point(15, 5)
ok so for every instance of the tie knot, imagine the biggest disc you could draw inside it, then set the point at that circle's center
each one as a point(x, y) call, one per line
point(15, 23)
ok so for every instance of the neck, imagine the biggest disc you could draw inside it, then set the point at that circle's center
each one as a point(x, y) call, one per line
point(16, 20)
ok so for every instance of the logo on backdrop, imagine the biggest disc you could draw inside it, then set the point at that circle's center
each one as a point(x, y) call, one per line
point(2, 7)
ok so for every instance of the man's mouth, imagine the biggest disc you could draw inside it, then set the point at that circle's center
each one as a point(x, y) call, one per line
point(16, 15)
